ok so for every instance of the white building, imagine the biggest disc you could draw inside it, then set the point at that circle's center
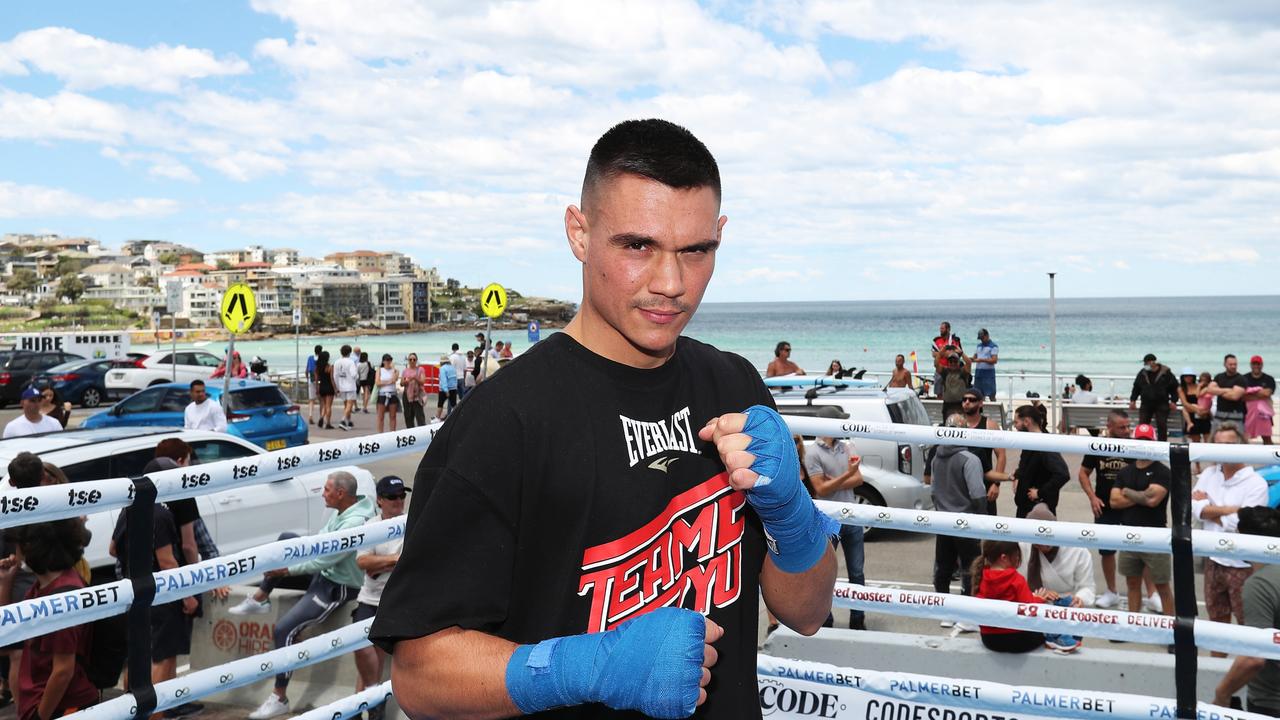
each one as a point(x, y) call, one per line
point(200, 304)
point(106, 275)
point(140, 300)
point(284, 256)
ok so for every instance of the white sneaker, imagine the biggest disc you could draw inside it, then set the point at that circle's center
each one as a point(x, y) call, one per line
point(271, 707)
point(1107, 600)
point(947, 623)
point(965, 627)
point(249, 606)
point(1152, 604)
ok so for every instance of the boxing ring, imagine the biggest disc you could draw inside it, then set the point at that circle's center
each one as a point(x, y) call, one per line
point(788, 687)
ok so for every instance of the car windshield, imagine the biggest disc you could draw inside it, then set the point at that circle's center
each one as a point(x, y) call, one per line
point(256, 398)
point(907, 412)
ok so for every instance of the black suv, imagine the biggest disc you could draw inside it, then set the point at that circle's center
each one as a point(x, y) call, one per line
point(19, 367)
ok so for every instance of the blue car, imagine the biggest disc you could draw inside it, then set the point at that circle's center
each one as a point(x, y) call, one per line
point(258, 411)
point(81, 382)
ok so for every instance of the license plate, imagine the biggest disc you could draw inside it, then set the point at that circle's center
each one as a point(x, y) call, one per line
point(117, 376)
point(276, 444)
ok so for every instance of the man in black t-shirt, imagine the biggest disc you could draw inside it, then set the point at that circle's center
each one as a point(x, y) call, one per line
point(1230, 388)
point(1141, 494)
point(587, 534)
point(1259, 389)
point(1107, 468)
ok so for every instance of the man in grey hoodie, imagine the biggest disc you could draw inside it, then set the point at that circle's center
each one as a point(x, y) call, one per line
point(957, 487)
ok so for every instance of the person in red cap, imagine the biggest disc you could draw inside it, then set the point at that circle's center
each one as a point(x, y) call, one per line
point(1259, 387)
point(1141, 494)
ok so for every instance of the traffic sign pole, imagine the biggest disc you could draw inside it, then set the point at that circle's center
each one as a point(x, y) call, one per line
point(226, 373)
point(299, 375)
point(488, 342)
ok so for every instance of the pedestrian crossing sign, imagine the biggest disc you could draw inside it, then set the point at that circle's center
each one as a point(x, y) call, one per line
point(239, 308)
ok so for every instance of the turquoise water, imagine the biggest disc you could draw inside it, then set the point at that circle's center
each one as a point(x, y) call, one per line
point(1096, 336)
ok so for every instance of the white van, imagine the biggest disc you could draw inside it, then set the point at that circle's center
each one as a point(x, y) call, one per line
point(893, 473)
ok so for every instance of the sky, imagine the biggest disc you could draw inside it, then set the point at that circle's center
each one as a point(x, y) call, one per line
point(868, 149)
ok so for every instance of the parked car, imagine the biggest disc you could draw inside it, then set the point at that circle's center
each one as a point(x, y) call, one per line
point(893, 472)
point(19, 367)
point(82, 382)
point(258, 411)
point(188, 365)
point(238, 519)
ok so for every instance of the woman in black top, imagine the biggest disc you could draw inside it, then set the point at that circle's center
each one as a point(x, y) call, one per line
point(1040, 474)
point(324, 381)
point(52, 405)
point(1196, 421)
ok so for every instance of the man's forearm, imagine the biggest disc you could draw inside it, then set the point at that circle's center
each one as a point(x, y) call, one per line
point(468, 671)
point(1241, 672)
point(1217, 512)
point(801, 601)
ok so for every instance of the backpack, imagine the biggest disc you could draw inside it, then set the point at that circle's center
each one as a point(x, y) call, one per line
point(108, 649)
point(953, 387)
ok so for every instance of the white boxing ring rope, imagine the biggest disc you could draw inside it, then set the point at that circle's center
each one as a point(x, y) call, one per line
point(1253, 548)
point(18, 621)
point(1078, 444)
point(237, 673)
point(984, 695)
point(1057, 620)
point(50, 503)
point(57, 502)
point(351, 705)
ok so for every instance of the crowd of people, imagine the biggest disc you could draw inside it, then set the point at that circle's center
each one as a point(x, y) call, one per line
point(52, 675)
point(354, 380)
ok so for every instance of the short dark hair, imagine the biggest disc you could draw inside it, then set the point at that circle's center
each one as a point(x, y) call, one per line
point(26, 470)
point(455, 347)
point(345, 350)
point(656, 149)
point(317, 350)
point(1119, 413)
point(1228, 356)
point(196, 383)
point(1148, 357)
point(1084, 382)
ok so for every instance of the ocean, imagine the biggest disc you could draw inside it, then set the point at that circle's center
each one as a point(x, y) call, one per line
point(1096, 336)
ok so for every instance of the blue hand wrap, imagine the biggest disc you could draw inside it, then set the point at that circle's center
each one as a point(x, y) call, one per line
point(798, 533)
point(652, 664)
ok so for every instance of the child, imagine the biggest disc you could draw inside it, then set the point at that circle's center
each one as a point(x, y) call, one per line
point(52, 680)
point(995, 577)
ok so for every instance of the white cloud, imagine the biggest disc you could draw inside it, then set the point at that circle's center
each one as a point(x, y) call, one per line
point(85, 62)
point(34, 201)
point(1105, 137)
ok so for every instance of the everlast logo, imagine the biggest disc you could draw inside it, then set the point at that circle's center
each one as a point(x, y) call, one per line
point(798, 702)
point(645, 439)
point(951, 433)
point(1107, 447)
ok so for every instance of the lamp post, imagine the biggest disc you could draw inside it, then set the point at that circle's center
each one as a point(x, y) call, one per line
point(1053, 350)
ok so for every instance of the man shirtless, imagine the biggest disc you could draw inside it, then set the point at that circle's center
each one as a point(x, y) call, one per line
point(901, 376)
point(781, 364)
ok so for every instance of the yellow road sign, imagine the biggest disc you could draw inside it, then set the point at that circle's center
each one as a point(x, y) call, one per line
point(493, 300)
point(239, 308)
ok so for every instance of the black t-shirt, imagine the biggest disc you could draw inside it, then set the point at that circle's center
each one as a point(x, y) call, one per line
point(1136, 478)
point(1226, 382)
point(569, 494)
point(1106, 469)
point(164, 533)
point(1046, 472)
point(184, 511)
point(1263, 381)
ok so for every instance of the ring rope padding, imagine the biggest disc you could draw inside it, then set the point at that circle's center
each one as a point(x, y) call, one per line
point(30, 618)
point(1076, 444)
point(56, 502)
point(984, 695)
point(351, 705)
point(237, 673)
point(1054, 619)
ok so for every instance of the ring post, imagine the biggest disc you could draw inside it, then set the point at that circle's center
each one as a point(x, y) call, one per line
point(140, 519)
point(1184, 581)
